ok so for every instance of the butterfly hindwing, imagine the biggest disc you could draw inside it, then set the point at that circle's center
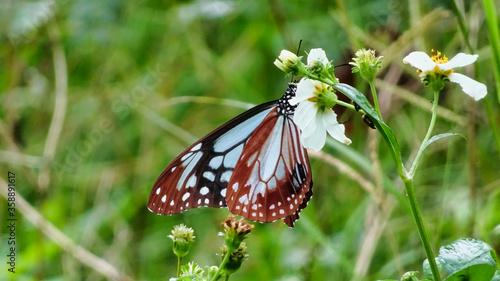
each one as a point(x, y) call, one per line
point(272, 179)
point(254, 164)
point(199, 175)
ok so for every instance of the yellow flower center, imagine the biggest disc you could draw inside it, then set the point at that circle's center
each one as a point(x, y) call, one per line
point(436, 57)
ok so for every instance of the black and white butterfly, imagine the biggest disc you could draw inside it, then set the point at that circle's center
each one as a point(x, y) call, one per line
point(254, 164)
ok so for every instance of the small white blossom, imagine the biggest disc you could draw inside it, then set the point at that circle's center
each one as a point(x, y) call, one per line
point(289, 62)
point(319, 55)
point(313, 117)
point(437, 64)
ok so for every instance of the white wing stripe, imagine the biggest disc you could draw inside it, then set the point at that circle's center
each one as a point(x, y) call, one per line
point(240, 132)
point(272, 151)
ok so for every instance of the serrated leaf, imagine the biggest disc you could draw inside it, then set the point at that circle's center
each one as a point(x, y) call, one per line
point(384, 130)
point(465, 259)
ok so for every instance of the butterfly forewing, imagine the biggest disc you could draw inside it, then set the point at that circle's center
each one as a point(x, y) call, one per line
point(254, 164)
point(272, 179)
point(199, 176)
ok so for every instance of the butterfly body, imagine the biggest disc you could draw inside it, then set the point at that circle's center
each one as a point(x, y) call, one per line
point(254, 164)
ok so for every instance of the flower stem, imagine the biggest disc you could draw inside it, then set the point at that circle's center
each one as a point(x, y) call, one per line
point(222, 264)
point(427, 136)
point(375, 99)
point(178, 266)
point(408, 182)
point(345, 104)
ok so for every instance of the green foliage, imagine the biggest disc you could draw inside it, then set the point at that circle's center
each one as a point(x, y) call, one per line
point(466, 259)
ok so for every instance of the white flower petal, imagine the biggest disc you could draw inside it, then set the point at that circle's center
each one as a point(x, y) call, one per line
point(305, 90)
point(317, 54)
point(336, 130)
point(459, 60)
point(316, 137)
point(470, 86)
point(304, 115)
point(420, 60)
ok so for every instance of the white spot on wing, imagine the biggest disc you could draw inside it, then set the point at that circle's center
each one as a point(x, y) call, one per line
point(189, 169)
point(209, 175)
point(185, 196)
point(207, 201)
point(164, 198)
point(235, 186)
point(226, 176)
point(215, 162)
point(172, 202)
point(223, 192)
point(191, 182)
point(244, 199)
point(282, 212)
point(204, 190)
point(196, 147)
point(186, 156)
point(158, 190)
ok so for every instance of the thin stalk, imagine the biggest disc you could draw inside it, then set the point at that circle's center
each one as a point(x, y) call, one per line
point(408, 182)
point(178, 266)
point(427, 136)
point(375, 99)
point(222, 264)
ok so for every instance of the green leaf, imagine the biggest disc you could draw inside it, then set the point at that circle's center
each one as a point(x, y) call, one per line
point(410, 276)
point(465, 259)
point(438, 137)
point(477, 272)
point(384, 130)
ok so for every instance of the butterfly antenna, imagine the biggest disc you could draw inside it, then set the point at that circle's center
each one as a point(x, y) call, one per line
point(344, 64)
point(298, 50)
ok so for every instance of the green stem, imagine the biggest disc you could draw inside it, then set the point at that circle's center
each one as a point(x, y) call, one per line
point(345, 104)
point(408, 182)
point(427, 136)
point(375, 99)
point(222, 264)
point(178, 266)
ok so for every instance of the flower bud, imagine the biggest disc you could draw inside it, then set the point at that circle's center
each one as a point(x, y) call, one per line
point(289, 63)
point(235, 231)
point(182, 236)
point(235, 259)
point(366, 64)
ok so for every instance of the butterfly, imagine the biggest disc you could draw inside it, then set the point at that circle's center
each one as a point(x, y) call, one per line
point(255, 165)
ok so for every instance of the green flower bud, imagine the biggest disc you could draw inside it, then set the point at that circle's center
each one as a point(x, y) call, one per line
point(235, 259)
point(182, 236)
point(366, 64)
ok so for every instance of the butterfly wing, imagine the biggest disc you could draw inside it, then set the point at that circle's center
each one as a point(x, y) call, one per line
point(272, 179)
point(199, 175)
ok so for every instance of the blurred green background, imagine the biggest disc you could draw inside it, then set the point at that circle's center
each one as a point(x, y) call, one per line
point(97, 97)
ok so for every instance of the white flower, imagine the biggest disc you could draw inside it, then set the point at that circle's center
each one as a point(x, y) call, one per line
point(437, 64)
point(286, 61)
point(313, 117)
point(317, 54)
